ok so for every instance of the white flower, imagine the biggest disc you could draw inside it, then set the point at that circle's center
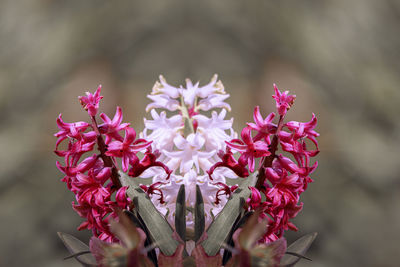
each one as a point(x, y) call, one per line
point(163, 87)
point(213, 87)
point(214, 101)
point(162, 101)
point(164, 129)
point(189, 93)
point(213, 129)
point(188, 156)
point(189, 153)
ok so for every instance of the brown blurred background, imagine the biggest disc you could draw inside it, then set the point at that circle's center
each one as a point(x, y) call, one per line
point(341, 58)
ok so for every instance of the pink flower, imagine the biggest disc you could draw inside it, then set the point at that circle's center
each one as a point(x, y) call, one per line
point(75, 151)
point(72, 130)
point(121, 199)
point(248, 148)
point(304, 129)
point(264, 127)
point(224, 190)
point(229, 162)
point(111, 127)
point(283, 101)
point(154, 190)
point(255, 198)
point(128, 148)
point(92, 183)
point(90, 102)
point(148, 161)
point(286, 191)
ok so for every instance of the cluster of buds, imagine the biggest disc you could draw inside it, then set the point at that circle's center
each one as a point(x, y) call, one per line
point(94, 179)
point(188, 149)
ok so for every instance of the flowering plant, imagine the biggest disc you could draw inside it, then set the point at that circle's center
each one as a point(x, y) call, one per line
point(164, 198)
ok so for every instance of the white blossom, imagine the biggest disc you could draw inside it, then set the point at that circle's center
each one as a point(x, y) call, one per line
point(189, 156)
point(214, 129)
point(164, 129)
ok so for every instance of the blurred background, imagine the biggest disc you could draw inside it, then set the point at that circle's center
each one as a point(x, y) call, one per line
point(341, 58)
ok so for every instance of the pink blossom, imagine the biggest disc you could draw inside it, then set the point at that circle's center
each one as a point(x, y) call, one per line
point(72, 130)
point(264, 127)
point(111, 127)
point(248, 148)
point(128, 148)
point(224, 190)
point(148, 161)
point(154, 190)
point(285, 191)
point(283, 101)
point(121, 198)
point(75, 151)
point(90, 102)
point(229, 162)
point(255, 198)
point(304, 129)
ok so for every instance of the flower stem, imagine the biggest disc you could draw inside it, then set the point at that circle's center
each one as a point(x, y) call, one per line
point(267, 162)
point(186, 117)
point(108, 162)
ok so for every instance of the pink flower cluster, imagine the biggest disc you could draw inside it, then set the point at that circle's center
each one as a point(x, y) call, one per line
point(281, 179)
point(94, 179)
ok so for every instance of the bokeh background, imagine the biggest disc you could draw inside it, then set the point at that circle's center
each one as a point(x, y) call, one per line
point(341, 58)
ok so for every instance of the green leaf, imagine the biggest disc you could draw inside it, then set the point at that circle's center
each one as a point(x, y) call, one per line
point(159, 229)
point(199, 219)
point(220, 228)
point(300, 247)
point(180, 213)
point(77, 247)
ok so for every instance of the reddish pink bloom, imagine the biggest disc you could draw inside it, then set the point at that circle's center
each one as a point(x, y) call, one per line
point(283, 101)
point(72, 130)
point(290, 165)
point(154, 190)
point(90, 102)
point(128, 148)
point(148, 161)
point(229, 162)
point(121, 198)
point(89, 163)
point(93, 217)
point(285, 191)
point(304, 129)
point(75, 151)
point(264, 127)
point(224, 190)
point(255, 198)
point(89, 187)
point(248, 148)
point(111, 127)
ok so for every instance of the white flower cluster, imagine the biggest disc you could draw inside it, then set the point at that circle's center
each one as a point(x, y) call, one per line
point(188, 143)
